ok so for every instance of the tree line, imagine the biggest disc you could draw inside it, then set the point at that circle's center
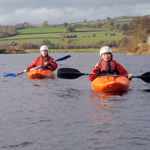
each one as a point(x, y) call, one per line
point(7, 31)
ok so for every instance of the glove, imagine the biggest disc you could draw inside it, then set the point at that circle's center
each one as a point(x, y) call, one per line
point(49, 64)
point(26, 70)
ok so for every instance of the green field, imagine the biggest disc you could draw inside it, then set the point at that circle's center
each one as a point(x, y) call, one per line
point(51, 30)
point(41, 30)
point(82, 37)
point(83, 34)
point(121, 21)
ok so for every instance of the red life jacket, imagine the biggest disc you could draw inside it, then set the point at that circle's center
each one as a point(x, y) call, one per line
point(42, 60)
point(109, 67)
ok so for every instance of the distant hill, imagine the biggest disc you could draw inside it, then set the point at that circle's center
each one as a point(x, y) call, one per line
point(76, 36)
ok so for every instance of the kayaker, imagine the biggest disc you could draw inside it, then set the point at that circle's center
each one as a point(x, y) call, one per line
point(107, 65)
point(45, 60)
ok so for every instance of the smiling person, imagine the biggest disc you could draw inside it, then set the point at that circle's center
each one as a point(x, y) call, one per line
point(107, 65)
point(45, 60)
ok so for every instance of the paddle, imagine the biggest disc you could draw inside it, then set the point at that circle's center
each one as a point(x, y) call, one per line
point(71, 73)
point(14, 75)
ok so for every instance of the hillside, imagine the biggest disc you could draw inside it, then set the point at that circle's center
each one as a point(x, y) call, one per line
point(89, 35)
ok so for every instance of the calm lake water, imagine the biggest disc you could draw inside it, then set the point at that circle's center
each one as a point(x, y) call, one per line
point(64, 114)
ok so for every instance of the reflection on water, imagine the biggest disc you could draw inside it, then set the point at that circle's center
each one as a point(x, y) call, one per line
point(104, 118)
point(108, 96)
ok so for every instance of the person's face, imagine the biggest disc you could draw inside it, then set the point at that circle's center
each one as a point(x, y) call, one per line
point(44, 53)
point(106, 56)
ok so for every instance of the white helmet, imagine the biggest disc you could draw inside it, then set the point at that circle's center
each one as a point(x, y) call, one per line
point(105, 49)
point(43, 47)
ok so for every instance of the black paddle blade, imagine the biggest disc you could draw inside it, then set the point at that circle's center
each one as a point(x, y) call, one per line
point(68, 73)
point(145, 77)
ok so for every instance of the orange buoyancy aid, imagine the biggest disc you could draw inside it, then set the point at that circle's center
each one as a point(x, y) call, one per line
point(108, 67)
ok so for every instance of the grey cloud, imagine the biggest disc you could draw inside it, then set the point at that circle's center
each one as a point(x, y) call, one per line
point(59, 11)
point(34, 4)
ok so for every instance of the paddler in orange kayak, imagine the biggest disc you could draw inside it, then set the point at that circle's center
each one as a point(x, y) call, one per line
point(45, 60)
point(107, 65)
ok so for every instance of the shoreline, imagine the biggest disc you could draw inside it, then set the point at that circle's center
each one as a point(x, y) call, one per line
point(12, 51)
point(90, 50)
point(87, 50)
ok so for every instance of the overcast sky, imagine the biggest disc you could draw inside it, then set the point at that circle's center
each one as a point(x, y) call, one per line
point(59, 11)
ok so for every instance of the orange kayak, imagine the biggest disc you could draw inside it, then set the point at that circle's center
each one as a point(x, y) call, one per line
point(111, 84)
point(41, 74)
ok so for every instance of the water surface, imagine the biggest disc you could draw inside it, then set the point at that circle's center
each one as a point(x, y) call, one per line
point(64, 114)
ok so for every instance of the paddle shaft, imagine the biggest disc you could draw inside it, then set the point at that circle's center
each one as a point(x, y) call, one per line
point(71, 73)
point(30, 69)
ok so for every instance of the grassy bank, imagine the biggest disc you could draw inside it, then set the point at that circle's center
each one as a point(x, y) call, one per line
point(12, 51)
point(74, 50)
